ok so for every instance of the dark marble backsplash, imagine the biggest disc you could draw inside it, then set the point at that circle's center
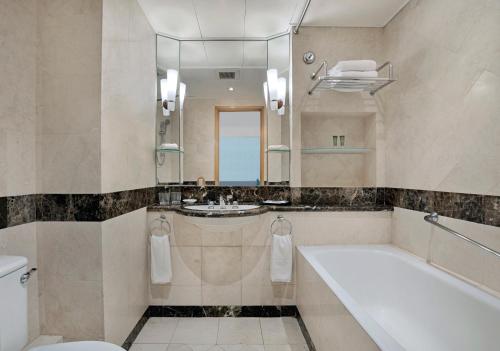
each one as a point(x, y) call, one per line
point(15, 210)
point(475, 208)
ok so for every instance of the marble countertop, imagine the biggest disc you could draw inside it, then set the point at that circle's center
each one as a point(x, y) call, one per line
point(266, 208)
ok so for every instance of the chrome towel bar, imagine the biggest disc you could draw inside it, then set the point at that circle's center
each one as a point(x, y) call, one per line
point(433, 219)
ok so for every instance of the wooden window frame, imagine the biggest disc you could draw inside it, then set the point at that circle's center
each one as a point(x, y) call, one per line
point(261, 110)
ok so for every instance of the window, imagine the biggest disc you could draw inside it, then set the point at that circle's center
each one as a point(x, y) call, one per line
point(239, 146)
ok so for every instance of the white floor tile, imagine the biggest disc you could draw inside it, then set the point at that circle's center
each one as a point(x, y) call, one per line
point(286, 348)
point(281, 331)
point(184, 347)
point(239, 331)
point(157, 331)
point(149, 347)
point(196, 331)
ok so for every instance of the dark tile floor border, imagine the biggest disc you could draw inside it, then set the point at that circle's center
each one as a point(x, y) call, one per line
point(16, 210)
point(218, 311)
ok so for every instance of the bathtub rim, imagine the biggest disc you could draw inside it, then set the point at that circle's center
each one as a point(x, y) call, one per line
point(378, 334)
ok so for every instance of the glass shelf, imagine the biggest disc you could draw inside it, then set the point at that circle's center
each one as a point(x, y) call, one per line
point(175, 151)
point(278, 151)
point(335, 150)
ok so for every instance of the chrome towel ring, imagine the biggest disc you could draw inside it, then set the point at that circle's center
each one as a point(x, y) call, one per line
point(281, 220)
point(163, 221)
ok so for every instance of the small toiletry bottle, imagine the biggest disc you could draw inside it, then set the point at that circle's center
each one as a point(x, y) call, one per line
point(335, 140)
point(342, 140)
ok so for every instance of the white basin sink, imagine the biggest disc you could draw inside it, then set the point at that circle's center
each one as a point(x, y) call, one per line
point(217, 208)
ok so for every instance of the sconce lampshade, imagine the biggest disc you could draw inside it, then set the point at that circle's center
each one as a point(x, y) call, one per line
point(272, 85)
point(182, 95)
point(171, 88)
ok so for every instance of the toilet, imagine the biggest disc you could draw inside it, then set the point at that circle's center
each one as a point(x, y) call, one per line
point(14, 312)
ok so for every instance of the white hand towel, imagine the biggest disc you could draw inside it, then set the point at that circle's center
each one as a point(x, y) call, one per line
point(353, 74)
point(278, 148)
point(356, 65)
point(281, 258)
point(161, 263)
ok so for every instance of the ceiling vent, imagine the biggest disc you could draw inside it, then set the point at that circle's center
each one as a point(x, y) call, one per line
point(228, 75)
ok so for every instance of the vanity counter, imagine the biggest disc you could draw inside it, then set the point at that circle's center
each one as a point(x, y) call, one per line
point(266, 208)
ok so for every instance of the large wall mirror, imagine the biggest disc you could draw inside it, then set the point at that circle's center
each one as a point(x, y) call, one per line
point(232, 125)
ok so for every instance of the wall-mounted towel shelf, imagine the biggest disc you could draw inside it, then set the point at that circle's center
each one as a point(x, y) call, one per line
point(372, 85)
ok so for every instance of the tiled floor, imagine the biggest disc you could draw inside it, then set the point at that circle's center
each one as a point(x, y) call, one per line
point(220, 334)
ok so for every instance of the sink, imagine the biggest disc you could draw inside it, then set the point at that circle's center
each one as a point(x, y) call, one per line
point(217, 208)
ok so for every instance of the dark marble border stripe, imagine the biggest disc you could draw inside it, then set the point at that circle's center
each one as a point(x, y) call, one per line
point(16, 210)
point(222, 311)
point(482, 209)
point(127, 344)
point(305, 332)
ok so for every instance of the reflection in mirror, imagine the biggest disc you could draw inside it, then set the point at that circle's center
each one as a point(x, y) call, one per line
point(168, 113)
point(219, 74)
point(278, 121)
point(222, 75)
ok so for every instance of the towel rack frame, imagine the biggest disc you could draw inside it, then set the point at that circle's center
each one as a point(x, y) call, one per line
point(372, 85)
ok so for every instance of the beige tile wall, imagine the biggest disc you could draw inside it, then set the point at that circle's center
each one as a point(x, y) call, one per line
point(68, 96)
point(18, 65)
point(128, 97)
point(329, 323)
point(226, 261)
point(441, 117)
point(18, 97)
point(70, 273)
point(124, 273)
point(412, 233)
point(333, 44)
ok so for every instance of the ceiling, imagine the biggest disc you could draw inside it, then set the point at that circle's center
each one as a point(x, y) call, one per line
point(201, 19)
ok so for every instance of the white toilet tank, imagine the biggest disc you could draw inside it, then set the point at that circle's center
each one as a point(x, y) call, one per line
point(13, 304)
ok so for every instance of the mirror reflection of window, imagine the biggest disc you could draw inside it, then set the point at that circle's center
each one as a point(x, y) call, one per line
point(240, 147)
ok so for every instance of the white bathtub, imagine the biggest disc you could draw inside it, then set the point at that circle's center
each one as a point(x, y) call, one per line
point(403, 303)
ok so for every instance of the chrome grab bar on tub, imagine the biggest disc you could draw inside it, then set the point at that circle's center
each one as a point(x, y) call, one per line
point(433, 219)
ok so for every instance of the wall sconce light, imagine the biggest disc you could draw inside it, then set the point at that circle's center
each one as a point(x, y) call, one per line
point(182, 95)
point(281, 95)
point(169, 89)
point(275, 88)
point(272, 85)
point(163, 90)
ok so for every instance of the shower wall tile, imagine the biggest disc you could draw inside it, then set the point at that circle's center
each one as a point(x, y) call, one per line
point(412, 233)
point(440, 117)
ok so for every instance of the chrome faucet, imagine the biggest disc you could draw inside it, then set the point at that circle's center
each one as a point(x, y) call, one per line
point(222, 204)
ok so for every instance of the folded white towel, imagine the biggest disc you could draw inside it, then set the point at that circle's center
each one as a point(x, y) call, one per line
point(354, 74)
point(169, 146)
point(278, 148)
point(161, 263)
point(281, 258)
point(356, 65)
